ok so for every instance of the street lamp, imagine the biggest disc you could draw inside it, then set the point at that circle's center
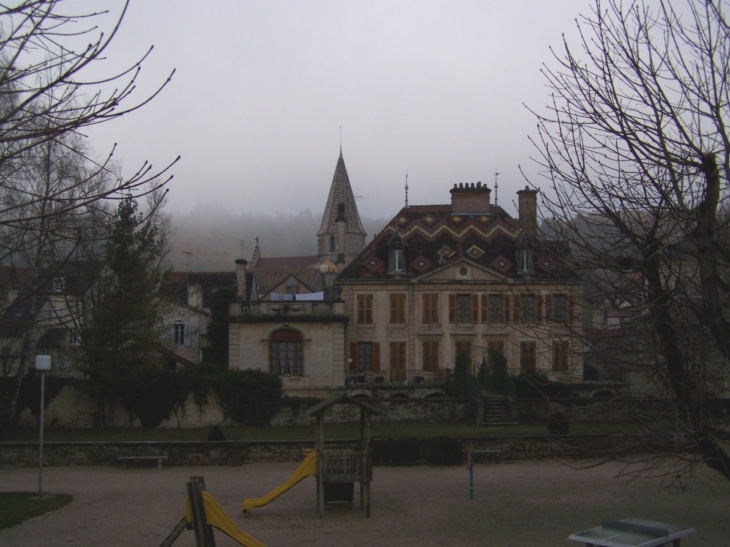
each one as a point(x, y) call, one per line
point(42, 365)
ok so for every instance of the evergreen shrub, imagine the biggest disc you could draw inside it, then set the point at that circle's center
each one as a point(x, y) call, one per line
point(248, 397)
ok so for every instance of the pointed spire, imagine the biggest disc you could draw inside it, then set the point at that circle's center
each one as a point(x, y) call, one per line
point(341, 192)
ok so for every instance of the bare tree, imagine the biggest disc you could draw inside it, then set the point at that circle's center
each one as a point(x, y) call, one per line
point(635, 148)
point(47, 95)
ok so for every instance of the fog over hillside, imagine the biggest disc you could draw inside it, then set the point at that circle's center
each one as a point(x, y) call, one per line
point(213, 235)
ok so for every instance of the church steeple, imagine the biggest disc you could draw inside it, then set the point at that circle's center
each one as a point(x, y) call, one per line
point(334, 242)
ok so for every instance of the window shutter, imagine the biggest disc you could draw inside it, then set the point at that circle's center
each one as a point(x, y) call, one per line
point(570, 309)
point(170, 333)
point(475, 308)
point(424, 307)
point(187, 335)
point(354, 356)
point(452, 308)
point(516, 312)
point(376, 356)
point(485, 308)
point(548, 307)
point(507, 309)
point(538, 301)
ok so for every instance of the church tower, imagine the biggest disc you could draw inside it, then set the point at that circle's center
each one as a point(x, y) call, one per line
point(341, 236)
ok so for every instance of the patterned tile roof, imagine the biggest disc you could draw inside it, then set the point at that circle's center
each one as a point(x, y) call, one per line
point(434, 238)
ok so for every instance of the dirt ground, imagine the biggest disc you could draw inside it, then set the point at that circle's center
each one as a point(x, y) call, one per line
point(521, 504)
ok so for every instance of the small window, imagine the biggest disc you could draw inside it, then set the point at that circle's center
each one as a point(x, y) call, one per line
point(397, 361)
point(524, 257)
point(462, 346)
point(365, 355)
point(286, 352)
point(528, 356)
point(365, 309)
point(333, 244)
point(527, 308)
point(494, 347)
point(74, 338)
point(181, 333)
point(431, 351)
point(431, 308)
point(496, 310)
point(560, 308)
point(397, 257)
point(560, 355)
point(59, 284)
point(463, 308)
point(397, 308)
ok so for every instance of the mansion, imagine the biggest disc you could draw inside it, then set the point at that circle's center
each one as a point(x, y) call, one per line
point(436, 281)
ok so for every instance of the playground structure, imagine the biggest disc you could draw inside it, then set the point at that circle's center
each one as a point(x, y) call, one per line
point(336, 471)
point(202, 514)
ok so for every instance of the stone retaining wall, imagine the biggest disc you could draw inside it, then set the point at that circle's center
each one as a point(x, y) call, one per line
point(237, 452)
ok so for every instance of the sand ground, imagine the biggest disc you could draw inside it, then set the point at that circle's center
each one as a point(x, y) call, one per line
point(520, 504)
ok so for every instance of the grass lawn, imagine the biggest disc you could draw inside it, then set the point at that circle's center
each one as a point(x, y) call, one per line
point(307, 433)
point(15, 507)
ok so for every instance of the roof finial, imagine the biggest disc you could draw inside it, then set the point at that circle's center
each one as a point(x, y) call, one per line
point(340, 139)
point(496, 188)
point(406, 189)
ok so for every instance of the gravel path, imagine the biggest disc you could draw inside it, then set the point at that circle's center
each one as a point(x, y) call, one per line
point(521, 504)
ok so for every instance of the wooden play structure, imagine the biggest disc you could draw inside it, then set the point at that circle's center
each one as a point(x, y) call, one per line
point(336, 471)
point(340, 469)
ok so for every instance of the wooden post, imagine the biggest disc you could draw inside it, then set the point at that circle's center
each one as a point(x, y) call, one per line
point(368, 459)
point(362, 447)
point(321, 464)
point(203, 532)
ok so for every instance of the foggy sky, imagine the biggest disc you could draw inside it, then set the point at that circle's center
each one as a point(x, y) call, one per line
point(435, 88)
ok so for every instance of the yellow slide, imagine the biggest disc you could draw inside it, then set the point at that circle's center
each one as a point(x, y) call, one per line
point(306, 468)
point(216, 516)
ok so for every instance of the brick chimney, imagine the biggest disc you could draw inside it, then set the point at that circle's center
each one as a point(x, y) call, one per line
point(241, 278)
point(470, 199)
point(528, 210)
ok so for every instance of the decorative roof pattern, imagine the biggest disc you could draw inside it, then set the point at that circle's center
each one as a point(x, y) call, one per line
point(341, 192)
point(434, 239)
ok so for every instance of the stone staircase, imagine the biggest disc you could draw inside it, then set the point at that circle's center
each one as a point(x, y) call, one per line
point(497, 412)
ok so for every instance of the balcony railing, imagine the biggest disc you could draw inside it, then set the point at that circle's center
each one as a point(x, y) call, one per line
point(398, 376)
point(285, 309)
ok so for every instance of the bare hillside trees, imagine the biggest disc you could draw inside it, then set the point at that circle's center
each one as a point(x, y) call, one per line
point(635, 148)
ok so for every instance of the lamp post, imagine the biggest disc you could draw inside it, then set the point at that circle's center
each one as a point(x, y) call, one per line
point(42, 365)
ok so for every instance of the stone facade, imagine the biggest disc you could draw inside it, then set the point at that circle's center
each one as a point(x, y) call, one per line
point(440, 280)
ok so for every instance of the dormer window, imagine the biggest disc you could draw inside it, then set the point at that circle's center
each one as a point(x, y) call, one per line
point(524, 258)
point(58, 284)
point(397, 257)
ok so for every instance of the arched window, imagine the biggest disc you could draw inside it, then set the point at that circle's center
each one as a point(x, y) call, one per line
point(287, 357)
point(333, 244)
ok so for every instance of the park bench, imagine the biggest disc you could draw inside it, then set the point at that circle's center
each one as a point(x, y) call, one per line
point(126, 459)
